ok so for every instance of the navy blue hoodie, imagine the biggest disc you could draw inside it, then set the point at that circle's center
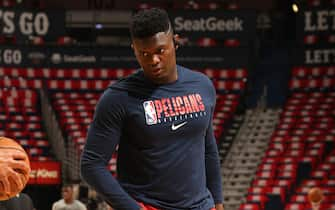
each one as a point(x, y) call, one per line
point(167, 154)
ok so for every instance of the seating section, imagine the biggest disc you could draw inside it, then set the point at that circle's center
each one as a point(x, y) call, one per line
point(20, 119)
point(309, 79)
point(301, 153)
point(74, 95)
point(229, 85)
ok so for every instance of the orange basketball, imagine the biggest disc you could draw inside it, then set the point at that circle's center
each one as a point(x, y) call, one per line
point(7, 144)
point(315, 195)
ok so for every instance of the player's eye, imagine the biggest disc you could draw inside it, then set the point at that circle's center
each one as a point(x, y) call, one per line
point(161, 51)
point(145, 54)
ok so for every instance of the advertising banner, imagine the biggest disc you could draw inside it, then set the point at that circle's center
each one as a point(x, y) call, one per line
point(45, 173)
point(22, 24)
point(221, 24)
point(95, 57)
point(320, 22)
point(314, 56)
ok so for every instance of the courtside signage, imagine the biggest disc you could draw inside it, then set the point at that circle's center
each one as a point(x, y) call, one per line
point(208, 24)
point(313, 56)
point(320, 56)
point(214, 23)
point(48, 172)
point(32, 23)
point(318, 22)
point(88, 57)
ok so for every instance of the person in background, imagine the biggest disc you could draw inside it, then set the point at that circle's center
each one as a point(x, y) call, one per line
point(161, 120)
point(68, 201)
point(21, 201)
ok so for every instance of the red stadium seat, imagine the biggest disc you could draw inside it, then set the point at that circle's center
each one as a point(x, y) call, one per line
point(257, 199)
point(37, 40)
point(311, 39)
point(249, 206)
point(233, 6)
point(206, 42)
point(65, 40)
point(295, 206)
point(232, 43)
point(314, 3)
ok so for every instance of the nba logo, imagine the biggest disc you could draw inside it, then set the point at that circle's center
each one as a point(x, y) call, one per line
point(150, 112)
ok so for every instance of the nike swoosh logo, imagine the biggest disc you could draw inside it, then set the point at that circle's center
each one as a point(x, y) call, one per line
point(175, 127)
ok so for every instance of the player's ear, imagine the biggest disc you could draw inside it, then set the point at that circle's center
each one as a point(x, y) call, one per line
point(176, 41)
point(132, 47)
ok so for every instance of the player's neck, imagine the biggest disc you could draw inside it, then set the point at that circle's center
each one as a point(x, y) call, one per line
point(69, 201)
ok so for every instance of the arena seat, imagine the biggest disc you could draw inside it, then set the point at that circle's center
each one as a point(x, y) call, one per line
point(150, 4)
point(311, 39)
point(314, 3)
point(206, 42)
point(232, 42)
point(233, 6)
point(37, 40)
point(7, 3)
point(295, 206)
point(65, 40)
point(249, 206)
point(260, 200)
point(21, 120)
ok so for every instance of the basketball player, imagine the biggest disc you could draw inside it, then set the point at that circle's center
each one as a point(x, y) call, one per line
point(161, 118)
point(11, 161)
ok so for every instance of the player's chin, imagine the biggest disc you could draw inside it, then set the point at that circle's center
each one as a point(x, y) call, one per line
point(158, 75)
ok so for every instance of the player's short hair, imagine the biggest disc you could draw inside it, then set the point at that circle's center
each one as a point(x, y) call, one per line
point(67, 185)
point(148, 22)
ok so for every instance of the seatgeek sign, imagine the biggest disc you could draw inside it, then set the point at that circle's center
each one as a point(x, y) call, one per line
point(31, 23)
point(214, 23)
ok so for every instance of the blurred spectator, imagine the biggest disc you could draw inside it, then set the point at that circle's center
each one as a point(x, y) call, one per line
point(68, 201)
point(20, 202)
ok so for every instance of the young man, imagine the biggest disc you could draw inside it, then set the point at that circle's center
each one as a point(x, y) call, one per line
point(161, 118)
point(68, 201)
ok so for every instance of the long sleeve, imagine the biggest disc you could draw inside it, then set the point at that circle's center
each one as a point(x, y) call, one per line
point(213, 173)
point(102, 138)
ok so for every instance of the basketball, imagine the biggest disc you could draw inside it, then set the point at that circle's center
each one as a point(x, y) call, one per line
point(7, 144)
point(315, 195)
